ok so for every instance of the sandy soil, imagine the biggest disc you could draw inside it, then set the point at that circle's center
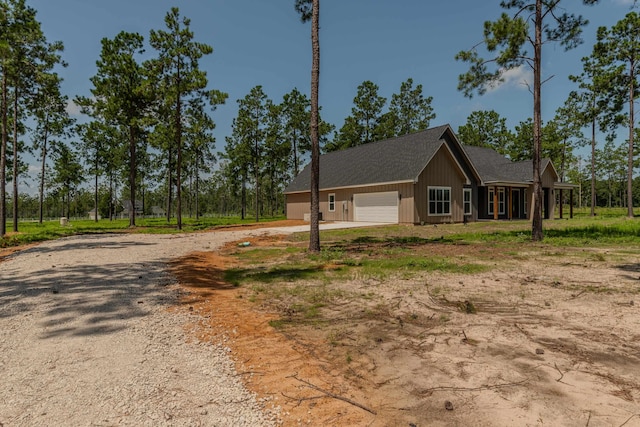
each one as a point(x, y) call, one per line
point(554, 340)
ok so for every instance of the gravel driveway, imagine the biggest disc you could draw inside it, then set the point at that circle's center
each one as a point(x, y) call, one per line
point(85, 338)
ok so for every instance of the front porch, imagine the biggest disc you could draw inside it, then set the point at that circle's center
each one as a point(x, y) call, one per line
point(507, 201)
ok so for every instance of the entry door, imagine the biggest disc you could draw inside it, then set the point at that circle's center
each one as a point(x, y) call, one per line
point(515, 203)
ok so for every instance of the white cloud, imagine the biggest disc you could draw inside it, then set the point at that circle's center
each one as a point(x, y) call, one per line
point(72, 108)
point(518, 78)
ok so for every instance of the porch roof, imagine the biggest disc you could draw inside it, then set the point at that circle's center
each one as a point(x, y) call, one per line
point(495, 169)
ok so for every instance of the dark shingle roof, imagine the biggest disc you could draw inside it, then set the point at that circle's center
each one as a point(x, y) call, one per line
point(493, 166)
point(402, 159)
point(397, 159)
point(488, 162)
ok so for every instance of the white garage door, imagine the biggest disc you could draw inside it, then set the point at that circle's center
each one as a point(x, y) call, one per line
point(376, 207)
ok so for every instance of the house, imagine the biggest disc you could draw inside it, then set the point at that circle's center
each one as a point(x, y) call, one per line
point(127, 205)
point(92, 215)
point(427, 177)
point(507, 187)
point(157, 211)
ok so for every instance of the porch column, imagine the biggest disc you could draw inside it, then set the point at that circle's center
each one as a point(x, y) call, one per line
point(495, 203)
point(561, 203)
point(510, 204)
point(571, 203)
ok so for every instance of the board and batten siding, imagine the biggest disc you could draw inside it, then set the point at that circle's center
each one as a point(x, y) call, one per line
point(299, 204)
point(442, 171)
point(548, 181)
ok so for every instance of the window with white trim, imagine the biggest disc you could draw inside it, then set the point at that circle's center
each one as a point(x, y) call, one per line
point(526, 203)
point(332, 202)
point(501, 200)
point(439, 200)
point(466, 198)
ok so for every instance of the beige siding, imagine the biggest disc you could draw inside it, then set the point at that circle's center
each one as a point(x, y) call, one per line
point(442, 171)
point(300, 204)
point(548, 181)
point(297, 205)
point(548, 178)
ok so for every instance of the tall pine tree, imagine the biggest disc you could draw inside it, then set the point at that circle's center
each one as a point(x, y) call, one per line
point(532, 23)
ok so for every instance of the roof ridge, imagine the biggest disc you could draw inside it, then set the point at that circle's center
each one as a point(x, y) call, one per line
point(387, 140)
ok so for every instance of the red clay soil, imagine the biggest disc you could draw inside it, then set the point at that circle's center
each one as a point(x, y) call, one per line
point(272, 365)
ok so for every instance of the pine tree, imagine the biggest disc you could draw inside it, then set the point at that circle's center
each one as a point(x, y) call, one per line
point(121, 96)
point(507, 37)
point(310, 11)
point(179, 78)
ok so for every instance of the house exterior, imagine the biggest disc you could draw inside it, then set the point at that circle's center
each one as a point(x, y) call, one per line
point(507, 187)
point(427, 177)
point(127, 206)
point(92, 215)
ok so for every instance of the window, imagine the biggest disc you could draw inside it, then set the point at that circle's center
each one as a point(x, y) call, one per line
point(526, 203)
point(466, 197)
point(501, 201)
point(439, 200)
point(332, 202)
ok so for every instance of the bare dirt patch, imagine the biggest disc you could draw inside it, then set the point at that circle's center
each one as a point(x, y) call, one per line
point(280, 223)
point(272, 364)
point(542, 338)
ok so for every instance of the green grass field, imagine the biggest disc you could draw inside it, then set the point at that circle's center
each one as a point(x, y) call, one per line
point(30, 232)
point(609, 226)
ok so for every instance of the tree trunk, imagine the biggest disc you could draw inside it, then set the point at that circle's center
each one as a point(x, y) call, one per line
point(243, 198)
point(169, 187)
point(314, 234)
point(294, 145)
point(132, 176)
point(95, 193)
point(593, 167)
point(631, 129)
point(190, 199)
point(197, 189)
point(15, 160)
point(179, 157)
point(257, 178)
point(564, 159)
point(43, 155)
point(110, 196)
point(536, 223)
point(3, 158)
point(68, 202)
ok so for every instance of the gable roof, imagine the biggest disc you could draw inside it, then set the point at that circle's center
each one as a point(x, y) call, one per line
point(495, 168)
point(394, 160)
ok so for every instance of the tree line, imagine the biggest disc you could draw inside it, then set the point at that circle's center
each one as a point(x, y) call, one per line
point(149, 134)
point(150, 130)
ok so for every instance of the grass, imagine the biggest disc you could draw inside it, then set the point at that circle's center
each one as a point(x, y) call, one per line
point(309, 283)
point(30, 232)
point(610, 226)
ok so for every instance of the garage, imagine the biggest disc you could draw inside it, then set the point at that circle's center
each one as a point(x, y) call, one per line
point(376, 207)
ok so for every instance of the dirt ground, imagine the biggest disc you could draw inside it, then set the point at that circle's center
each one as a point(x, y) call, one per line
point(543, 339)
point(550, 338)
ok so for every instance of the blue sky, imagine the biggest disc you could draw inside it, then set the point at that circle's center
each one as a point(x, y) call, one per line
point(263, 42)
